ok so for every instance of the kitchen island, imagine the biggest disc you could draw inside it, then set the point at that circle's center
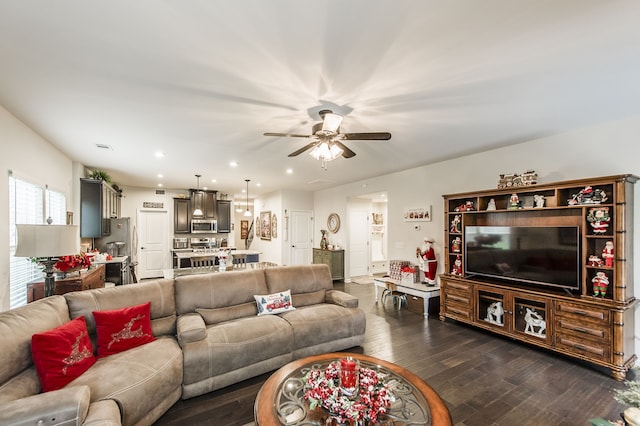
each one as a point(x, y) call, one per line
point(182, 257)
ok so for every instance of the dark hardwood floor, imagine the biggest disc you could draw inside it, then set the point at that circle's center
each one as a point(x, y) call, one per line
point(483, 378)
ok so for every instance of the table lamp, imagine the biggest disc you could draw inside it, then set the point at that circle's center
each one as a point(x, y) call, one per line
point(46, 243)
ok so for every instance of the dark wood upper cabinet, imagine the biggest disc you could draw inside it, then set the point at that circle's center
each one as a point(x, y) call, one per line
point(224, 216)
point(181, 216)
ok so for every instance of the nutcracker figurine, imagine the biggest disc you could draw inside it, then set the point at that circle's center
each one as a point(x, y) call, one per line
point(600, 284)
point(607, 253)
point(428, 261)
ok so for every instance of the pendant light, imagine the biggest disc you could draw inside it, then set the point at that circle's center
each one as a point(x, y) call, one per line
point(198, 210)
point(247, 213)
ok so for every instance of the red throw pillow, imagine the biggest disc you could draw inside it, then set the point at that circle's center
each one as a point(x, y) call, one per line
point(122, 329)
point(62, 354)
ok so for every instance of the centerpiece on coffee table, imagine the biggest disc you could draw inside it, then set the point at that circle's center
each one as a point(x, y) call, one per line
point(349, 393)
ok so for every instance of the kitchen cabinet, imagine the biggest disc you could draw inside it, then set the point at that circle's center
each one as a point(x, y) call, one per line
point(333, 258)
point(205, 201)
point(99, 202)
point(224, 216)
point(84, 280)
point(181, 216)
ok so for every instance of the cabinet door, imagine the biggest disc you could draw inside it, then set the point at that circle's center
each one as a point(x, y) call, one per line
point(210, 205)
point(181, 219)
point(337, 264)
point(197, 202)
point(224, 215)
point(91, 209)
point(531, 318)
point(492, 307)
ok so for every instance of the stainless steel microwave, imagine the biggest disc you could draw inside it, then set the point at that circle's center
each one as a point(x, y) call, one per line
point(204, 226)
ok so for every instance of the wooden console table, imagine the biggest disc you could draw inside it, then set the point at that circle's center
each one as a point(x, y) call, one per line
point(423, 291)
point(93, 278)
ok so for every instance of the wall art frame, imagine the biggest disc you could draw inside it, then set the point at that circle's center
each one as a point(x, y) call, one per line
point(419, 214)
point(265, 225)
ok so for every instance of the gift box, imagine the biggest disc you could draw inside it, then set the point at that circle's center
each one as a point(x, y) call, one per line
point(395, 268)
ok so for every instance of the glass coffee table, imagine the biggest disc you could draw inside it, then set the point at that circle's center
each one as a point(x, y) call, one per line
point(280, 401)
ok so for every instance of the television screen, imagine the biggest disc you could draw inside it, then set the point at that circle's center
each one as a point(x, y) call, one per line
point(541, 255)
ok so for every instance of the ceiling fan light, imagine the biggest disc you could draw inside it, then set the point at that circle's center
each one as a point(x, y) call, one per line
point(331, 122)
point(326, 151)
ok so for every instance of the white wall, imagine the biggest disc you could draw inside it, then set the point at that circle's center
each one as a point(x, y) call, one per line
point(32, 158)
point(603, 150)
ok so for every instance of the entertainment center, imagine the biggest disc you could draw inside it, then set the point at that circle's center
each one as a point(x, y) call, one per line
point(547, 264)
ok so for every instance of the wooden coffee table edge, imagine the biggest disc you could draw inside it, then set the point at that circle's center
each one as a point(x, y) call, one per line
point(263, 405)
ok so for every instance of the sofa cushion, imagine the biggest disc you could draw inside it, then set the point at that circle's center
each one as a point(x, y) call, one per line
point(274, 303)
point(313, 325)
point(216, 315)
point(122, 329)
point(16, 328)
point(235, 344)
point(62, 354)
point(139, 379)
point(308, 283)
point(160, 293)
point(219, 291)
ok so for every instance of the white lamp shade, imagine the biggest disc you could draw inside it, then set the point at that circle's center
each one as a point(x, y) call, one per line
point(331, 122)
point(47, 240)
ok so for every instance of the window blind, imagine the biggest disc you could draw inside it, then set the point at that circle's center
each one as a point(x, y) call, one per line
point(27, 205)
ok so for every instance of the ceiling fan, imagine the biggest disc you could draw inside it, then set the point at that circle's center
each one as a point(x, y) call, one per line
point(326, 139)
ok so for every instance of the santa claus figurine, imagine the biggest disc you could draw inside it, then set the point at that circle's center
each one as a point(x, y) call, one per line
point(457, 267)
point(428, 261)
point(607, 253)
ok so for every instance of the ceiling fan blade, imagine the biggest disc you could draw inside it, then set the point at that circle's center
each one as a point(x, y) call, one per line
point(303, 149)
point(377, 136)
point(288, 135)
point(346, 152)
point(331, 122)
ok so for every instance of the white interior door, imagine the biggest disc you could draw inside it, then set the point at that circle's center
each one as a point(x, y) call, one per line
point(358, 242)
point(301, 237)
point(153, 243)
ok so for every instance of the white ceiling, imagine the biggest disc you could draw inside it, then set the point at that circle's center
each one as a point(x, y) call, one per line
point(202, 80)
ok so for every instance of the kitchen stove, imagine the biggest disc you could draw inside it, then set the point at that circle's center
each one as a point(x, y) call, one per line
point(201, 244)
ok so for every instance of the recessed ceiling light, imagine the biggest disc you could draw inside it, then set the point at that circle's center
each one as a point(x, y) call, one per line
point(205, 188)
point(258, 184)
point(233, 164)
point(289, 171)
point(160, 154)
point(214, 180)
point(160, 185)
point(160, 176)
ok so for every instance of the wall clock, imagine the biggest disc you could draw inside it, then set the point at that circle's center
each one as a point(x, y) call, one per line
point(333, 223)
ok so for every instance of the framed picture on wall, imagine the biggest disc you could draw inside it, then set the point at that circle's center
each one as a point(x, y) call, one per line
point(244, 229)
point(421, 214)
point(265, 225)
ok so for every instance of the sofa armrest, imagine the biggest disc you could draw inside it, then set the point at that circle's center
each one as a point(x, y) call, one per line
point(341, 298)
point(64, 406)
point(191, 328)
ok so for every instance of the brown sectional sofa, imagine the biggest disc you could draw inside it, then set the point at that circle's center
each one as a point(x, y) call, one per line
point(208, 336)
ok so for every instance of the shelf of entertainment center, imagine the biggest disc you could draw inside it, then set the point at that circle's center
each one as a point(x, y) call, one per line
point(591, 319)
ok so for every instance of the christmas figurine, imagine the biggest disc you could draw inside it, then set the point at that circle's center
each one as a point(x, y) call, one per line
point(514, 202)
point(428, 261)
point(598, 218)
point(456, 245)
point(455, 224)
point(457, 267)
point(594, 260)
point(600, 284)
point(607, 253)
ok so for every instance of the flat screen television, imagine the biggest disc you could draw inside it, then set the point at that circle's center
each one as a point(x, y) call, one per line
point(538, 255)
